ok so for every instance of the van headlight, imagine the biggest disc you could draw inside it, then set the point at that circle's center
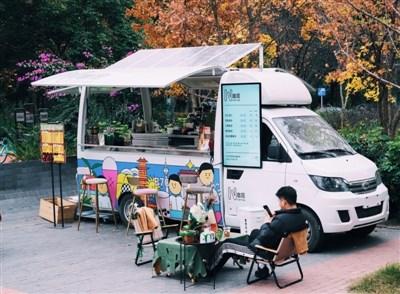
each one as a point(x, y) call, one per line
point(330, 184)
point(378, 177)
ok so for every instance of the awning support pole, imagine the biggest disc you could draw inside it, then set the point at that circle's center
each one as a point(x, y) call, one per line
point(82, 117)
point(147, 110)
point(261, 57)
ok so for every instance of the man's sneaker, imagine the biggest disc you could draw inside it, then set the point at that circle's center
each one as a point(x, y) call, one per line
point(262, 273)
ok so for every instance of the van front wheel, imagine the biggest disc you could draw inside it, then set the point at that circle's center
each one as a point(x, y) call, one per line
point(314, 231)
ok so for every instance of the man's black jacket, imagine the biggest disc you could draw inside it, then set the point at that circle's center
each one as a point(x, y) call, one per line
point(283, 223)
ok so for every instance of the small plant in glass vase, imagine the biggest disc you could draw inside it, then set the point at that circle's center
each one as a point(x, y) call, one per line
point(102, 126)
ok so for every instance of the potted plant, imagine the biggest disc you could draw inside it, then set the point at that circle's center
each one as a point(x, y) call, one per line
point(122, 134)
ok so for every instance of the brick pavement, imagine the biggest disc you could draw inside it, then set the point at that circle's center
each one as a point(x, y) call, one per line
point(335, 275)
point(35, 258)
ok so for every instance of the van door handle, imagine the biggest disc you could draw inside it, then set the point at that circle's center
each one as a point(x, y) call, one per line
point(234, 174)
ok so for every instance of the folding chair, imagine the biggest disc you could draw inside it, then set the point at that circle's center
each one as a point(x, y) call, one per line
point(287, 252)
point(148, 237)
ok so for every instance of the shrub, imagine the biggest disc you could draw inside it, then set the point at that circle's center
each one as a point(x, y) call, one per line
point(370, 141)
point(367, 139)
point(351, 117)
point(390, 167)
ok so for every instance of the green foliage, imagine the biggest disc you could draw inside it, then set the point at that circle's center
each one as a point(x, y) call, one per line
point(385, 280)
point(367, 139)
point(371, 141)
point(75, 26)
point(390, 167)
point(27, 145)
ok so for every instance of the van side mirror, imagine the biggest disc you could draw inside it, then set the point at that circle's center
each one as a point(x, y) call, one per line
point(276, 152)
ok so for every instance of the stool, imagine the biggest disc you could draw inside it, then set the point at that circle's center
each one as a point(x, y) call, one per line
point(137, 193)
point(97, 182)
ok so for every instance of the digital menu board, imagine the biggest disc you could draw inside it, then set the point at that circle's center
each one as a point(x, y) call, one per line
point(241, 125)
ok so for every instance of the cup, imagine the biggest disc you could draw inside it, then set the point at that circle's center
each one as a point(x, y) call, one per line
point(227, 232)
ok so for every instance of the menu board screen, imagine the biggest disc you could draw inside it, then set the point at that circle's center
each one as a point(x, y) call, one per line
point(241, 125)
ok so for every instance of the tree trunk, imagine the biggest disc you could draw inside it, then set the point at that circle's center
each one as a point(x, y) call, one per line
point(394, 124)
point(383, 106)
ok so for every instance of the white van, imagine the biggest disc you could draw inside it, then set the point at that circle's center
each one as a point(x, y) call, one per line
point(265, 137)
point(339, 189)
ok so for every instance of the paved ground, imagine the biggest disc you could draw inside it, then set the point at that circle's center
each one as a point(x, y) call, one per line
point(35, 258)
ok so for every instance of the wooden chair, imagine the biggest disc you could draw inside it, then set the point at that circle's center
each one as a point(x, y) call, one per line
point(288, 252)
point(148, 237)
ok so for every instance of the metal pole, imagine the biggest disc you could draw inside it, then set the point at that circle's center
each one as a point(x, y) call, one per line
point(322, 103)
point(52, 189)
point(62, 205)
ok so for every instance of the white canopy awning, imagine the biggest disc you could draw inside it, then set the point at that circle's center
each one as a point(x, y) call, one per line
point(155, 68)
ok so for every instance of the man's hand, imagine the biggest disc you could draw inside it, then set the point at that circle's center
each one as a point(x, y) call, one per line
point(268, 218)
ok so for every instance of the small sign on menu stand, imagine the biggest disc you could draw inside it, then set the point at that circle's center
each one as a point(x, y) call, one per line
point(52, 149)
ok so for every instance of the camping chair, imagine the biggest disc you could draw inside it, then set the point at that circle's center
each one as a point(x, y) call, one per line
point(288, 252)
point(148, 231)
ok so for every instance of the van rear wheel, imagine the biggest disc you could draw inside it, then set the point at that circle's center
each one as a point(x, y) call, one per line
point(314, 231)
point(125, 206)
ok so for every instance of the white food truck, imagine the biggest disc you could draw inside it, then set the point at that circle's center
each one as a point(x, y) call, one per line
point(265, 137)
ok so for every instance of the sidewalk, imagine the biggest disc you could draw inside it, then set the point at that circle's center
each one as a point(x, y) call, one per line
point(335, 276)
point(36, 258)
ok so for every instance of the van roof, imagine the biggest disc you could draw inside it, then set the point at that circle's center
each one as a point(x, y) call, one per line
point(278, 87)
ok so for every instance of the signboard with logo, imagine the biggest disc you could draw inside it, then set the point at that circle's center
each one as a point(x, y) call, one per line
point(241, 125)
point(52, 146)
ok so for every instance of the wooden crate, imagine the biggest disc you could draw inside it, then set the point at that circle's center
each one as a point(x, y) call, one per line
point(46, 209)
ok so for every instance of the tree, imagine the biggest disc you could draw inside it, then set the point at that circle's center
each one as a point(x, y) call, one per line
point(366, 38)
point(276, 24)
point(65, 28)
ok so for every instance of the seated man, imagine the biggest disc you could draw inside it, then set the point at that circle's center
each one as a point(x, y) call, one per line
point(285, 221)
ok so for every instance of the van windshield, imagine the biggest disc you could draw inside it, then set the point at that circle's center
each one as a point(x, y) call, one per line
point(311, 137)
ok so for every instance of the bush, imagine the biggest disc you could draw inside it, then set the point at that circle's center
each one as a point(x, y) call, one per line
point(370, 141)
point(390, 167)
point(362, 113)
point(367, 139)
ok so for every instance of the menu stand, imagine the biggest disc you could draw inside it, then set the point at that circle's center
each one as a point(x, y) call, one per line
point(52, 150)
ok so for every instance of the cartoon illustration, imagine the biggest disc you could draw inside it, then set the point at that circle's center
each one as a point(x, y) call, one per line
point(110, 172)
point(206, 177)
point(206, 174)
point(142, 167)
point(176, 200)
point(169, 180)
point(128, 180)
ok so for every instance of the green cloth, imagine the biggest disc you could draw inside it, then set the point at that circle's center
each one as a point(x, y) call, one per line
point(168, 255)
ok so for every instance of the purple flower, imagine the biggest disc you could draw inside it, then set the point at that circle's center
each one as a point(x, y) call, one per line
point(133, 107)
point(114, 93)
point(80, 65)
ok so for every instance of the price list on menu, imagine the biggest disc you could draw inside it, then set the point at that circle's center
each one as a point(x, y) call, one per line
point(241, 124)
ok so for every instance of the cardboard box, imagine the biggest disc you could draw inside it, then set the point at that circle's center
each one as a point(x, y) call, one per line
point(46, 209)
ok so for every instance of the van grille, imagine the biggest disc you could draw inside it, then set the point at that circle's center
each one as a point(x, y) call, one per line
point(364, 186)
point(367, 212)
